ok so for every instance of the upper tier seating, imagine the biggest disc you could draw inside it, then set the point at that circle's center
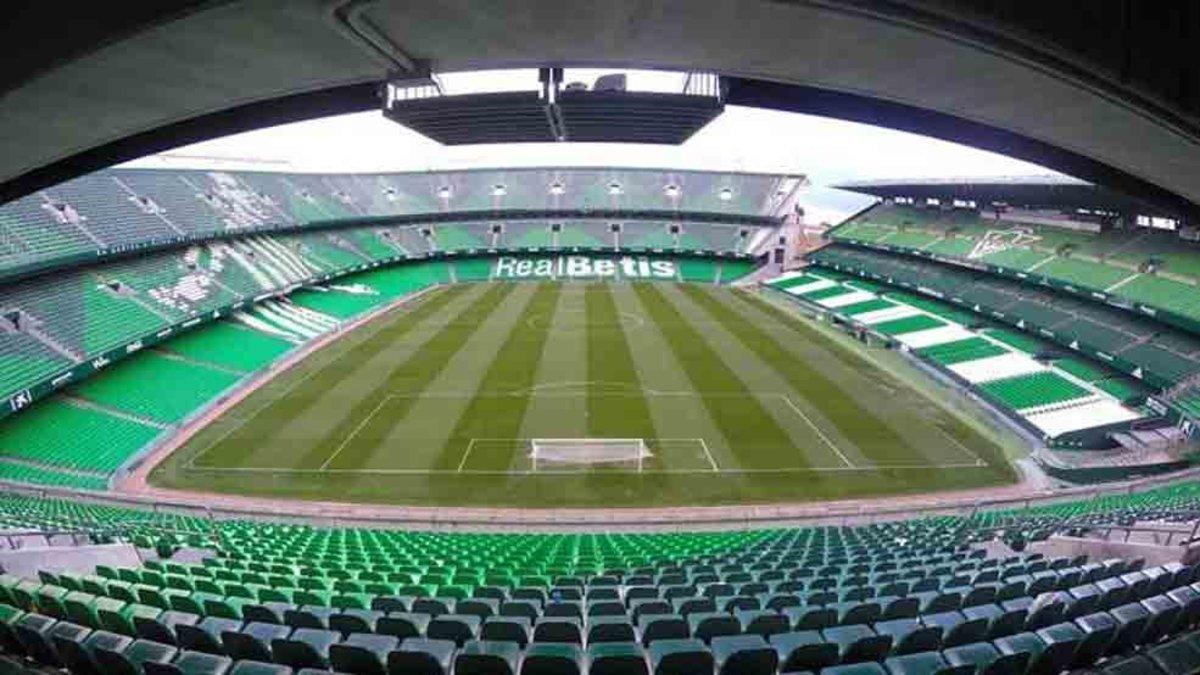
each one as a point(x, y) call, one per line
point(120, 209)
point(1154, 268)
point(1162, 354)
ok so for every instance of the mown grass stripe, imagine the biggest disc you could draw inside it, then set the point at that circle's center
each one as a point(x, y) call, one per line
point(412, 376)
point(616, 407)
point(745, 424)
point(874, 437)
point(269, 420)
point(492, 414)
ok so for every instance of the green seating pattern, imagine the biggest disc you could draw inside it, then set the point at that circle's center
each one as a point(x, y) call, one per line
point(1033, 390)
point(137, 386)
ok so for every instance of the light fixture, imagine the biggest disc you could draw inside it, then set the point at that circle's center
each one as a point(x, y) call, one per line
point(557, 188)
point(499, 190)
point(390, 194)
point(444, 192)
point(671, 190)
point(725, 194)
point(614, 188)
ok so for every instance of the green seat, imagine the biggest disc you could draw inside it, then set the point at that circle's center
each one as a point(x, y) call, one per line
point(1043, 659)
point(744, 655)
point(162, 628)
point(33, 633)
point(403, 625)
point(559, 630)
point(552, 659)
point(119, 618)
point(762, 622)
point(266, 612)
point(259, 668)
point(304, 648)
point(506, 629)
point(129, 661)
point(660, 627)
point(362, 653)
point(355, 621)
point(1176, 656)
point(191, 663)
point(865, 668)
point(616, 658)
point(485, 657)
point(309, 616)
point(680, 657)
point(920, 663)
point(419, 656)
point(226, 608)
point(909, 636)
point(50, 601)
point(192, 603)
point(804, 650)
point(206, 635)
point(986, 659)
point(79, 655)
point(252, 641)
point(458, 628)
point(708, 625)
point(858, 643)
point(611, 629)
point(8, 637)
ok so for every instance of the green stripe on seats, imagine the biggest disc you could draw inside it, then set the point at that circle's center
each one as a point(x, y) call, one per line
point(959, 351)
point(1036, 389)
point(909, 324)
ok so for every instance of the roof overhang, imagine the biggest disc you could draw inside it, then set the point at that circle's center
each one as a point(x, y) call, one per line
point(150, 81)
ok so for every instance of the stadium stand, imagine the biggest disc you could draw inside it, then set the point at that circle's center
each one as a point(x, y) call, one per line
point(1061, 406)
point(117, 210)
point(1158, 354)
point(909, 596)
point(1156, 269)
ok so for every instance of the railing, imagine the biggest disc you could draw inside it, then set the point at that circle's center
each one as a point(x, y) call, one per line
point(839, 513)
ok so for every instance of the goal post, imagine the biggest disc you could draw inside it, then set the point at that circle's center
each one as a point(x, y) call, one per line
point(547, 453)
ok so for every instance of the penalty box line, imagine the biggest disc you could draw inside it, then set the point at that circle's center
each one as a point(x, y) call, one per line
point(530, 472)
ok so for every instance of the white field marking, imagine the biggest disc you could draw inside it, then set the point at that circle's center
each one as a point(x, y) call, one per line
point(466, 453)
point(832, 446)
point(341, 446)
point(241, 421)
point(978, 460)
point(537, 320)
point(529, 472)
point(708, 454)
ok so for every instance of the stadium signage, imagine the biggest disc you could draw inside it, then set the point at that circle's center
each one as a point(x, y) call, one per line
point(581, 266)
point(20, 400)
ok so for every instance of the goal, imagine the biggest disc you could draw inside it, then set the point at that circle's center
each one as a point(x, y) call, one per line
point(551, 453)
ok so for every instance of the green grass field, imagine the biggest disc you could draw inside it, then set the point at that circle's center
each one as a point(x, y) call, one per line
point(737, 400)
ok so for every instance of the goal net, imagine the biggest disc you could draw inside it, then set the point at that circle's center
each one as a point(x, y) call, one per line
point(550, 453)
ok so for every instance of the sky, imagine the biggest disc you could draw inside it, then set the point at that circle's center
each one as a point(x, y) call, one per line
point(826, 150)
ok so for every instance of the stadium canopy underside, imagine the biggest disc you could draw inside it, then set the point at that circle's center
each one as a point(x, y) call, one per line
point(1101, 92)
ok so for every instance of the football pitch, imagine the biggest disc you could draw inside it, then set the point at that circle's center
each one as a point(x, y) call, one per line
point(732, 398)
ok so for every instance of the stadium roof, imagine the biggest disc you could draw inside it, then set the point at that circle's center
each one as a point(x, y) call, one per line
point(1053, 192)
point(1021, 79)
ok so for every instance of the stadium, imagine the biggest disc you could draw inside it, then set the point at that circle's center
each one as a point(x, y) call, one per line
point(488, 411)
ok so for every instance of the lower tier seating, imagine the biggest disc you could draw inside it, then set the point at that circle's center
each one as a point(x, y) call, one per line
point(912, 596)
